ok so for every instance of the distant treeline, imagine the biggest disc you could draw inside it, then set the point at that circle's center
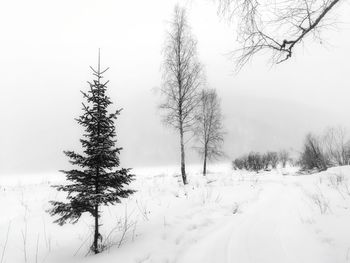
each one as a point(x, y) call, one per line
point(319, 152)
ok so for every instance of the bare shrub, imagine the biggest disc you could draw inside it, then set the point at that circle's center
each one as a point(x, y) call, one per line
point(265, 161)
point(238, 164)
point(144, 211)
point(340, 183)
point(255, 161)
point(321, 201)
point(336, 146)
point(124, 225)
point(313, 156)
point(337, 181)
point(284, 157)
point(322, 152)
point(272, 158)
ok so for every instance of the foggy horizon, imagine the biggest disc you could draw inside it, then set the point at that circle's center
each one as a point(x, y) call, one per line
point(187, 131)
point(45, 63)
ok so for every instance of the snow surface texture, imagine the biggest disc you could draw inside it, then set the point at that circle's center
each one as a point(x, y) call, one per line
point(228, 216)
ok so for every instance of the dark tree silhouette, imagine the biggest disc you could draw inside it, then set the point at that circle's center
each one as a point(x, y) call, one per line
point(209, 130)
point(182, 77)
point(97, 182)
point(313, 156)
point(277, 25)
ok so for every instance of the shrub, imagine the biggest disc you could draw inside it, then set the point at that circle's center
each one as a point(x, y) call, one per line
point(336, 146)
point(255, 161)
point(313, 156)
point(284, 157)
point(272, 158)
point(239, 163)
point(330, 149)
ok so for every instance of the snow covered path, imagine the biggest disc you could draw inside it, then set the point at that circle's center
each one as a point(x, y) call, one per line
point(271, 229)
point(226, 217)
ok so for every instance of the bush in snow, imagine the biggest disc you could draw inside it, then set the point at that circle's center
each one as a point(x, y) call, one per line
point(322, 152)
point(284, 158)
point(313, 155)
point(255, 161)
point(270, 159)
point(239, 163)
point(336, 146)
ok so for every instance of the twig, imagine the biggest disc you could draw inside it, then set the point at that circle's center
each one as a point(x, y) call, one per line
point(4, 249)
point(37, 248)
point(76, 252)
point(24, 237)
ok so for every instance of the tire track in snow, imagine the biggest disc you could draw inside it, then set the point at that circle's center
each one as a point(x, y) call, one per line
point(269, 230)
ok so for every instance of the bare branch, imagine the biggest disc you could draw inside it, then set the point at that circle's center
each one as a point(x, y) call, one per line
point(274, 25)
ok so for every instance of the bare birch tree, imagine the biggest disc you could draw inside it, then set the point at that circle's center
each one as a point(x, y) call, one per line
point(182, 77)
point(209, 129)
point(275, 25)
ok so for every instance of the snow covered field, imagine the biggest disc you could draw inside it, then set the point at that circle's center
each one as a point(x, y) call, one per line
point(229, 216)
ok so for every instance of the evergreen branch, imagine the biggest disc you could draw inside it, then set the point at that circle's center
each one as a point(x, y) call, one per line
point(104, 71)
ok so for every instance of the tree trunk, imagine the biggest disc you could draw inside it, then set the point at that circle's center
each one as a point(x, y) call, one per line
point(183, 170)
point(205, 162)
point(96, 235)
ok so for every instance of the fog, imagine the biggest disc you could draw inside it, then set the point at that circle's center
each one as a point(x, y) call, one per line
point(47, 48)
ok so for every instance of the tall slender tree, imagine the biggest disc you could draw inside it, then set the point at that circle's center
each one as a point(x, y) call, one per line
point(209, 130)
point(182, 77)
point(97, 182)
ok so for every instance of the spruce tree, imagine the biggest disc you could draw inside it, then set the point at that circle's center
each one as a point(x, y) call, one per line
point(97, 181)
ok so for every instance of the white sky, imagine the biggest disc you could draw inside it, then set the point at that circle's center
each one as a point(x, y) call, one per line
point(47, 46)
